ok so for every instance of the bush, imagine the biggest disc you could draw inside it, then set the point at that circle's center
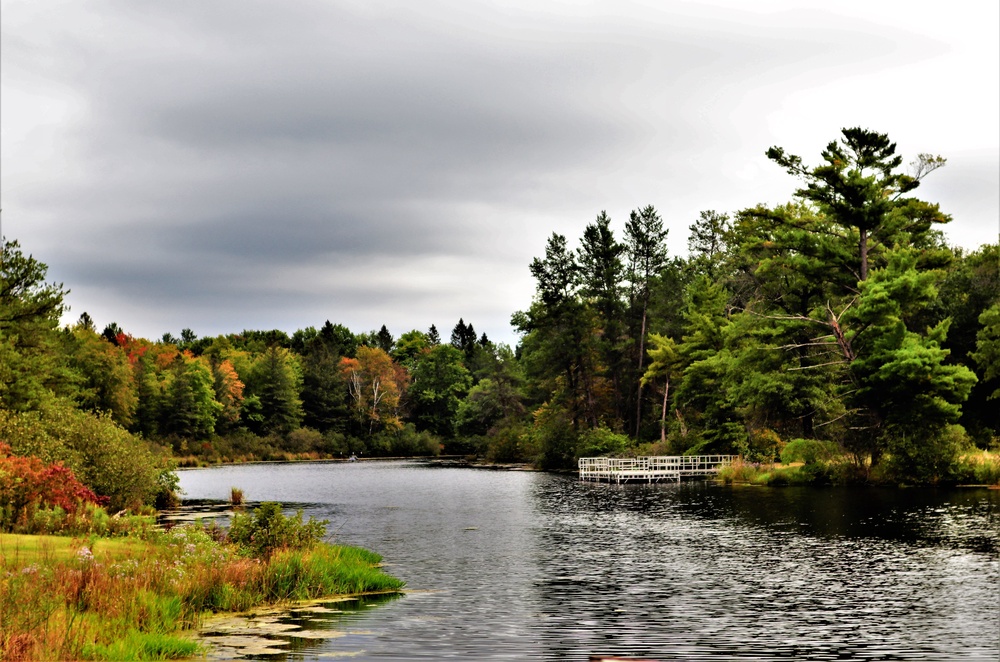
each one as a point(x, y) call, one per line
point(929, 458)
point(554, 436)
point(104, 456)
point(265, 530)
point(28, 485)
point(601, 441)
point(979, 467)
point(511, 442)
point(405, 442)
point(809, 451)
point(304, 440)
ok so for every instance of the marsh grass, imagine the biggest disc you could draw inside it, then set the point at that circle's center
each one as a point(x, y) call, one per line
point(795, 473)
point(976, 467)
point(742, 471)
point(65, 598)
point(981, 467)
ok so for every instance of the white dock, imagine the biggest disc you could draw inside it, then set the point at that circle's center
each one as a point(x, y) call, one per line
point(650, 469)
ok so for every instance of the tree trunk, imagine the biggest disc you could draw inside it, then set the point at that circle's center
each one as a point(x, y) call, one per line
point(663, 414)
point(680, 419)
point(863, 249)
point(642, 352)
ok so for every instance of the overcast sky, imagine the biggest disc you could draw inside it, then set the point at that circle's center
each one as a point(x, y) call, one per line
point(228, 165)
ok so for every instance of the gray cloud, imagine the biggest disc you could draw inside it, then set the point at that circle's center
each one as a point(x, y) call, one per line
point(222, 165)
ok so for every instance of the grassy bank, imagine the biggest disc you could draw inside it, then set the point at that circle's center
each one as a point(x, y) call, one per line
point(972, 468)
point(74, 598)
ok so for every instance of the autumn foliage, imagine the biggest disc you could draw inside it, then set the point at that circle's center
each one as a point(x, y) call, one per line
point(27, 484)
point(376, 385)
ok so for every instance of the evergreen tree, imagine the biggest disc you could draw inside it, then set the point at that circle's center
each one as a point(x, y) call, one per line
point(32, 369)
point(433, 337)
point(646, 251)
point(275, 380)
point(338, 339)
point(707, 243)
point(463, 337)
point(191, 409)
point(384, 340)
point(601, 268)
point(860, 191)
point(324, 392)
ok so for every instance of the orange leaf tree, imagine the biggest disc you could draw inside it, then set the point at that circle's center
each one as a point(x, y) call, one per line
point(376, 385)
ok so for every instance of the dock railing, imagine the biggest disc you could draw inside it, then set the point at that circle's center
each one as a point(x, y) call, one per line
point(651, 468)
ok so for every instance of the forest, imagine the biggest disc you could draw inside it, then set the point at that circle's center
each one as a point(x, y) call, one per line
point(841, 322)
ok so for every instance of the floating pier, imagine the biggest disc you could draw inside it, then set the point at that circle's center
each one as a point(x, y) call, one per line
point(652, 469)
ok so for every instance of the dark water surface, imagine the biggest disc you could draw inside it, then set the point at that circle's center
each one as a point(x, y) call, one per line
point(521, 565)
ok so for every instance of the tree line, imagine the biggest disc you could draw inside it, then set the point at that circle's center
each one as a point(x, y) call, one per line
point(842, 316)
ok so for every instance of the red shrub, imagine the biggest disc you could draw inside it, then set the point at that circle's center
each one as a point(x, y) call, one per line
point(27, 483)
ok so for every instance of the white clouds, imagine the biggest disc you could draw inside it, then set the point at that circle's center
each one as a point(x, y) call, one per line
point(227, 165)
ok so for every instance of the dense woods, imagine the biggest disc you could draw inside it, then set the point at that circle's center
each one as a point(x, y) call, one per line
point(841, 317)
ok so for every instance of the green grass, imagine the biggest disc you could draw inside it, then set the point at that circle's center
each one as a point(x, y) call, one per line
point(35, 548)
point(126, 599)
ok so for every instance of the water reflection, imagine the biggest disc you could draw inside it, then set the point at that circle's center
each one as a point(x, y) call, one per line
point(535, 566)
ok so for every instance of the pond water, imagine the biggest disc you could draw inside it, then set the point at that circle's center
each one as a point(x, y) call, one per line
point(523, 565)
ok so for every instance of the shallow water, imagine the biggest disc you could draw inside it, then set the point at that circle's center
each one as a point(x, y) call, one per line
point(522, 565)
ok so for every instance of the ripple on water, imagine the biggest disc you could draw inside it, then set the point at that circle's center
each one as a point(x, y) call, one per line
point(535, 566)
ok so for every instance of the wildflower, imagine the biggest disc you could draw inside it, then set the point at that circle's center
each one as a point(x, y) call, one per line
point(85, 554)
point(29, 570)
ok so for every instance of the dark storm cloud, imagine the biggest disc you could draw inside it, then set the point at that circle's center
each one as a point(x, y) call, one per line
point(252, 163)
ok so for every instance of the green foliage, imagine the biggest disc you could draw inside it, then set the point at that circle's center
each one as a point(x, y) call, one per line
point(439, 382)
point(601, 441)
point(107, 379)
point(407, 441)
point(987, 354)
point(555, 438)
point(261, 533)
point(32, 368)
point(809, 451)
point(275, 380)
point(191, 408)
point(107, 458)
point(979, 467)
point(928, 456)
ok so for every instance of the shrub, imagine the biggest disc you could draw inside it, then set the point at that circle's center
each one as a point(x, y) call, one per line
point(102, 455)
point(303, 440)
point(405, 441)
point(265, 530)
point(980, 467)
point(27, 485)
point(809, 451)
point(601, 441)
point(555, 437)
point(763, 445)
point(931, 457)
point(511, 442)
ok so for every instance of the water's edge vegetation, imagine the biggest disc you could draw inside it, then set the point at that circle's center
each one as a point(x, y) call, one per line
point(142, 596)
